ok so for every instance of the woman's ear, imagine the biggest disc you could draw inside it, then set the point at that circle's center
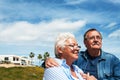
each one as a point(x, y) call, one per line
point(60, 50)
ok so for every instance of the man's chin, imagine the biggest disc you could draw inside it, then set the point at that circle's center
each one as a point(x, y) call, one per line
point(96, 48)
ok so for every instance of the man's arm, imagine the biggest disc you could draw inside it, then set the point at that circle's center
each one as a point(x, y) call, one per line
point(49, 62)
point(116, 69)
point(113, 68)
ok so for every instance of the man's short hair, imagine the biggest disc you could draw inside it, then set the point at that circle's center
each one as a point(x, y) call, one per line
point(89, 30)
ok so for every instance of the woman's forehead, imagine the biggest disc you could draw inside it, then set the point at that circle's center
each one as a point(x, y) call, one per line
point(71, 40)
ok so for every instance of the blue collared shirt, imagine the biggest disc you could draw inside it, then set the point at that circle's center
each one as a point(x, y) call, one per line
point(62, 72)
point(108, 65)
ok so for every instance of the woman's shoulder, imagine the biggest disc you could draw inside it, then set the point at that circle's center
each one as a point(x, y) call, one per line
point(60, 61)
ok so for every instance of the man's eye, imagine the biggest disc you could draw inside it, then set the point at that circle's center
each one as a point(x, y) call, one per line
point(91, 38)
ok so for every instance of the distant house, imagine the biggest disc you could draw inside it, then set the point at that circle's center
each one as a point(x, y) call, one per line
point(17, 60)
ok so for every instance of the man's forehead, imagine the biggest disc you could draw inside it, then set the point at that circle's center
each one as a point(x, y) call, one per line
point(93, 33)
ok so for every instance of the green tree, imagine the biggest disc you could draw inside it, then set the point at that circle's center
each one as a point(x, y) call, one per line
point(39, 57)
point(46, 54)
point(31, 55)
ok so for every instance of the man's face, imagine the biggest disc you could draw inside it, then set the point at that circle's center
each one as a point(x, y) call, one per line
point(93, 40)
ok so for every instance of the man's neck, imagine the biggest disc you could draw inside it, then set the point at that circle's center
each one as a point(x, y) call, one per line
point(94, 53)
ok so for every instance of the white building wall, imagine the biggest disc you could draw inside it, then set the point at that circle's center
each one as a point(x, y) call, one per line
point(16, 59)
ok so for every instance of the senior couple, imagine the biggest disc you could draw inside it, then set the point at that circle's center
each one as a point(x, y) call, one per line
point(92, 64)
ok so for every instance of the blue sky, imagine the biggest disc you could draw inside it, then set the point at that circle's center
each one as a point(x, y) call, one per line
point(32, 25)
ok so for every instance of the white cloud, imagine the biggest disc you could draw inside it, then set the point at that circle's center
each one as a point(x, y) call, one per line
point(73, 2)
point(111, 46)
point(115, 34)
point(41, 32)
point(18, 31)
point(111, 25)
point(26, 11)
point(115, 1)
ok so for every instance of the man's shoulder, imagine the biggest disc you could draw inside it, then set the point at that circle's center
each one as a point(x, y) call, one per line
point(82, 52)
point(108, 55)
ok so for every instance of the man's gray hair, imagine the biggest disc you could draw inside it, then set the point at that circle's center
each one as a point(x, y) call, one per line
point(60, 41)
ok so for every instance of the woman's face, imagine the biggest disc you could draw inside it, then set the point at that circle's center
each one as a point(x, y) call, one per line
point(71, 50)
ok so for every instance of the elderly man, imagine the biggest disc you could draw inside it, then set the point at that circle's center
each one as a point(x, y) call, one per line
point(103, 65)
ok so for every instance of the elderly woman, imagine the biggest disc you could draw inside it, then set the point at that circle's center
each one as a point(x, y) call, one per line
point(66, 51)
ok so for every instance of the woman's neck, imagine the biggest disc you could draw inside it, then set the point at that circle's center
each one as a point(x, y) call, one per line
point(73, 72)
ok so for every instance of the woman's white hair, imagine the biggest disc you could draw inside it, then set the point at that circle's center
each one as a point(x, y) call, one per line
point(60, 41)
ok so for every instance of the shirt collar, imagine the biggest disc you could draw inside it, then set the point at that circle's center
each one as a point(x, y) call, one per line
point(102, 56)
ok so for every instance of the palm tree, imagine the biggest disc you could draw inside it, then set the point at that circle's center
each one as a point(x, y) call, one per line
point(39, 57)
point(31, 55)
point(46, 54)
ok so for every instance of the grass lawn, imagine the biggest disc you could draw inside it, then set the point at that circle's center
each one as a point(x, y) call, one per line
point(21, 73)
